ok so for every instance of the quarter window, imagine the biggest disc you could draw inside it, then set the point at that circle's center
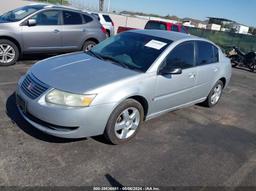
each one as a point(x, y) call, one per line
point(181, 56)
point(87, 19)
point(72, 18)
point(47, 18)
point(206, 53)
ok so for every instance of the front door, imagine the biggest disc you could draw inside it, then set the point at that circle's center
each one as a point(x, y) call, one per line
point(174, 90)
point(45, 35)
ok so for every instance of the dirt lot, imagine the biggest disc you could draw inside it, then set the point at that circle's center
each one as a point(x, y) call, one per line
point(196, 146)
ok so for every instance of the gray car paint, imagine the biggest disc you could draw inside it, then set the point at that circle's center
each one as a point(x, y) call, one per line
point(51, 39)
point(162, 94)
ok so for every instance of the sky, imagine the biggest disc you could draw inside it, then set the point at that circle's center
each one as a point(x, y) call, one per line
point(241, 11)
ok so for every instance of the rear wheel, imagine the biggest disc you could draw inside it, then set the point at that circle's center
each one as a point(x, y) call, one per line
point(9, 53)
point(88, 45)
point(215, 94)
point(124, 122)
point(252, 66)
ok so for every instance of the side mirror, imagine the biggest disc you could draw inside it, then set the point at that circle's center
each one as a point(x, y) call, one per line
point(169, 71)
point(31, 22)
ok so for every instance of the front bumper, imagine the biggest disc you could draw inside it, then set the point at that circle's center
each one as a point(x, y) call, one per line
point(65, 122)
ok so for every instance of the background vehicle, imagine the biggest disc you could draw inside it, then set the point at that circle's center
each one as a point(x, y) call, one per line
point(106, 22)
point(150, 71)
point(46, 29)
point(159, 25)
point(238, 57)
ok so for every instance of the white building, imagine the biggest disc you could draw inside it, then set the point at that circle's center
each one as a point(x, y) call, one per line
point(214, 27)
point(201, 26)
point(241, 29)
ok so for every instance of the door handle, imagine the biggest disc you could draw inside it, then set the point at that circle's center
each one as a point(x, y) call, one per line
point(56, 31)
point(84, 30)
point(191, 75)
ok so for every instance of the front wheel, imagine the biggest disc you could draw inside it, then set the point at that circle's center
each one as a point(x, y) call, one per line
point(124, 122)
point(214, 95)
point(9, 53)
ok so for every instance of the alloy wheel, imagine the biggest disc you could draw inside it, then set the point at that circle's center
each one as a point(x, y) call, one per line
point(127, 123)
point(89, 47)
point(216, 94)
point(7, 53)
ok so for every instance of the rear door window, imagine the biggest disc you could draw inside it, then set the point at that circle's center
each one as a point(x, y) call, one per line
point(155, 25)
point(207, 53)
point(72, 18)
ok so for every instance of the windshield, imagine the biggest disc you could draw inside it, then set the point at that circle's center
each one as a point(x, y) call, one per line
point(131, 50)
point(19, 14)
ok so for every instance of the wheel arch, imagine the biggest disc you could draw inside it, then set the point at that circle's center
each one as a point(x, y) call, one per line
point(143, 101)
point(223, 79)
point(13, 40)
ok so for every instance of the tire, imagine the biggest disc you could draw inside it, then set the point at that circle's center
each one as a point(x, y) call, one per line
point(9, 53)
point(108, 34)
point(209, 102)
point(121, 129)
point(88, 45)
point(252, 66)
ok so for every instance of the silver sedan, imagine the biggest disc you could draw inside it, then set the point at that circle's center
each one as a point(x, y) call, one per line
point(121, 82)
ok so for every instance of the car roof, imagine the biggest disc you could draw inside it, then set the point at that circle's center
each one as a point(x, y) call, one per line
point(49, 6)
point(170, 35)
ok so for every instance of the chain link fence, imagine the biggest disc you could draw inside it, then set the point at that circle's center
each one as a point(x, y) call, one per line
point(226, 40)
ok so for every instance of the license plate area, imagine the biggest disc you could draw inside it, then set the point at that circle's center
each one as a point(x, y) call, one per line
point(21, 103)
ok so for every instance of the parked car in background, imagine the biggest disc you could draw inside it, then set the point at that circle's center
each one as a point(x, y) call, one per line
point(44, 28)
point(126, 79)
point(159, 25)
point(106, 22)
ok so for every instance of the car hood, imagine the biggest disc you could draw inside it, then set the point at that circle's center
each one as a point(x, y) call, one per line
point(78, 72)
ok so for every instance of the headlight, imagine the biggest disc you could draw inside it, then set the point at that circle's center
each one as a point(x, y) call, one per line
point(69, 99)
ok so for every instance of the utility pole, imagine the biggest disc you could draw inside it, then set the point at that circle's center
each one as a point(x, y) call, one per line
point(101, 5)
point(109, 5)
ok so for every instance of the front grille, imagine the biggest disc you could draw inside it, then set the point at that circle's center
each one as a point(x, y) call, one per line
point(33, 87)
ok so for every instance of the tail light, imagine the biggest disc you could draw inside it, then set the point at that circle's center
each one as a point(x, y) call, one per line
point(103, 30)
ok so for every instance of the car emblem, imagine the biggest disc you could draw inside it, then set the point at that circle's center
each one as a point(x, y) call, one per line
point(30, 86)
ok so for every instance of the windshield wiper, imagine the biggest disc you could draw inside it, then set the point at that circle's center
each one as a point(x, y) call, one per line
point(95, 54)
point(115, 61)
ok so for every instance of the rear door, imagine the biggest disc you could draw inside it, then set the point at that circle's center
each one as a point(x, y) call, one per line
point(177, 89)
point(45, 36)
point(74, 30)
point(208, 67)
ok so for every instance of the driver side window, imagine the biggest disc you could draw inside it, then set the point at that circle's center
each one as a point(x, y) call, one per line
point(47, 18)
point(182, 56)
